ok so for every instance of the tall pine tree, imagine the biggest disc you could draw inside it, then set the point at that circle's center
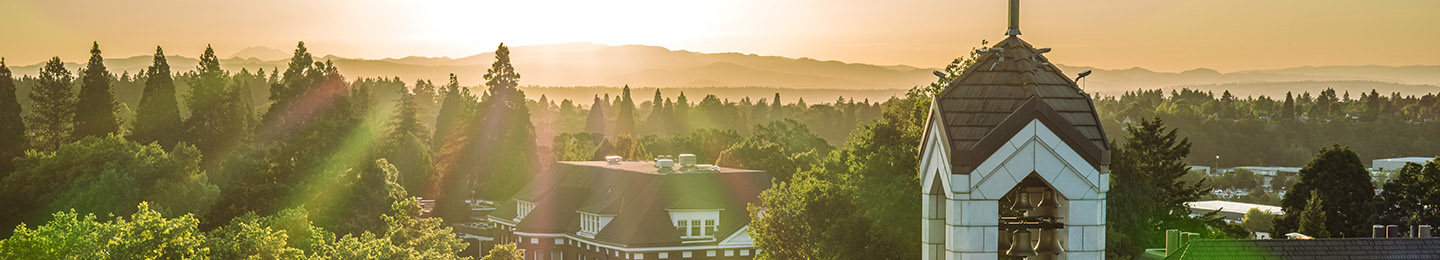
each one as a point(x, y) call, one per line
point(456, 105)
point(407, 145)
point(595, 123)
point(52, 105)
point(158, 119)
point(625, 114)
point(95, 106)
point(220, 115)
point(12, 128)
point(1147, 193)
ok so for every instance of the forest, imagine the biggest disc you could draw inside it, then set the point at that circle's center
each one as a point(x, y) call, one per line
point(302, 163)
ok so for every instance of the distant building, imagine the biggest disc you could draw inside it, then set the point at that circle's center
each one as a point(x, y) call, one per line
point(1394, 164)
point(1232, 211)
point(1385, 243)
point(633, 210)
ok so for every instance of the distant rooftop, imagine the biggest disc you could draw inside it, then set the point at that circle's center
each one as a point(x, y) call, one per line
point(1407, 159)
point(1233, 207)
point(648, 167)
point(1335, 248)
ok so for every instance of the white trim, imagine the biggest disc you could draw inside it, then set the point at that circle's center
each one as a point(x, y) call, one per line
point(731, 239)
point(642, 249)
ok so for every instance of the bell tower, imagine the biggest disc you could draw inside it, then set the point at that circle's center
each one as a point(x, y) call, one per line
point(1014, 161)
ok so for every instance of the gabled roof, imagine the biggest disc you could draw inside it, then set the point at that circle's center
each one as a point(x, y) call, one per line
point(1334, 248)
point(1000, 87)
point(638, 197)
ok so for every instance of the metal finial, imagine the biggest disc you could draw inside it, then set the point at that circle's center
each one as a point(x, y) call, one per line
point(1014, 29)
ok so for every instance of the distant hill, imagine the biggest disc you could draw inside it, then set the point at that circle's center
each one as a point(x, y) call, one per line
point(262, 53)
point(583, 64)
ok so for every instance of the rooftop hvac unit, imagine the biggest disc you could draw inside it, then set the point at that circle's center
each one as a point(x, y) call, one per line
point(664, 163)
point(687, 160)
point(613, 160)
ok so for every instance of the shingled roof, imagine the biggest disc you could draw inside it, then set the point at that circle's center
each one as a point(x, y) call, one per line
point(638, 196)
point(1013, 82)
point(1335, 248)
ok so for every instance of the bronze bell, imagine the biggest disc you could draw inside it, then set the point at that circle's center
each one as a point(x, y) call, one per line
point(1004, 240)
point(1049, 207)
point(1049, 242)
point(1022, 244)
point(1022, 202)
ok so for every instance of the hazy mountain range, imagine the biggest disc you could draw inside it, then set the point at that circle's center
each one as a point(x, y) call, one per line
point(581, 64)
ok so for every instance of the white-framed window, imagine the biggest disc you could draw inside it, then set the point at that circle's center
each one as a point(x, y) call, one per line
point(523, 208)
point(591, 224)
point(697, 228)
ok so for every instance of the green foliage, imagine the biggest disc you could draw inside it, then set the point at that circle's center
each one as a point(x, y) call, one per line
point(220, 112)
point(457, 105)
point(1410, 196)
point(1239, 179)
point(95, 106)
point(625, 114)
point(850, 205)
point(146, 234)
point(782, 148)
point(1314, 218)
point(1148, 194)
point(158, 119)
point(505, 252)
point(1336, 176)
point(595, 123)
point(250, 237)
point(52, 107)
point(497, 151)
point(12, 128)
point(812, 218)
point(406, 145)
point(1374, 125)
point(103, 175)
point(1257, 220)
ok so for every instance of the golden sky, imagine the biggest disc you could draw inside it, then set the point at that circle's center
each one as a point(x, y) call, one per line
point(1164, 35)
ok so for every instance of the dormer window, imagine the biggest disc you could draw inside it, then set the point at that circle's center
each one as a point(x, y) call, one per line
point(523, 208)
point(591, 224)
point(696, 224)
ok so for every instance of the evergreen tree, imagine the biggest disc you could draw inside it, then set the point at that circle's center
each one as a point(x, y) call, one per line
point(158, 119)
point(52, 107)
point(655, 123)
point(425, 103)
point(500, 153)
point(625, 114)
point(406, 144)
point(1314, 218)
point(457, 104)
point(1338, 177)
point(12, 128)
point(95, 106)
point(777, 110)
point(506, 112)
point(1146, 193)
point(682, 121)
point(595, 123)
point(220, 115)
point(1287, 111)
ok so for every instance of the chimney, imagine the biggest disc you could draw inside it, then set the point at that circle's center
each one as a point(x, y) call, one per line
point(1392, 231)
point(1172, 241)
point(1014, 29)
point(1377, 231)
point(1423, 231)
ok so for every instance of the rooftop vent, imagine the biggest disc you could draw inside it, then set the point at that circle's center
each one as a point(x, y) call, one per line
point(613, 160)
point(687, 160)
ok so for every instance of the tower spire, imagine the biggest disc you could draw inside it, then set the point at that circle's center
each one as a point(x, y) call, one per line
point(1014, 29)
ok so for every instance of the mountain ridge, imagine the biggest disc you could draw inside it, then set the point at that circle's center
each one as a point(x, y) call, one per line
point(585, 64)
